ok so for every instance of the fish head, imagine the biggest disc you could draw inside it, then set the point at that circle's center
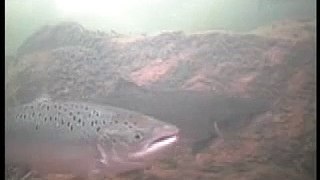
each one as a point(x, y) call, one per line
point(156, 136)
point(138, 138)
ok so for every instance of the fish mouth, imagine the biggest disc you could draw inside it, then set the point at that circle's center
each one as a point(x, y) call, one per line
point(163, 138)
point(163, 141)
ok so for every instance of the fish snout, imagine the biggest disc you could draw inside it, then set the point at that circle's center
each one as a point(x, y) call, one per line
point(166, 130)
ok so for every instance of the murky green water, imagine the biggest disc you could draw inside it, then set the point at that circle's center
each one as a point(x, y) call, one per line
point(22, 18)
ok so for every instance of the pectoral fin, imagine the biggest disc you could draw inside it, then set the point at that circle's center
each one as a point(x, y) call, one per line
point(103, 156)
point(217, 130)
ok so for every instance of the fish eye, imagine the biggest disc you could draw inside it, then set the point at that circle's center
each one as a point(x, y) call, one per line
point(138, 136)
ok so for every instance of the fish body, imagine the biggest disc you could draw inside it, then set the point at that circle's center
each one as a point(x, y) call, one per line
point(82, 138)
point(193, 112)
point(200, 116)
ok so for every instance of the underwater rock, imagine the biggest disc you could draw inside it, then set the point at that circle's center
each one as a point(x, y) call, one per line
point(62, 35)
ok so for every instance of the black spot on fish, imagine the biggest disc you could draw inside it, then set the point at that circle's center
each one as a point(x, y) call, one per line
point(55, 118)
point(116, 121)
point(71, 127)
point(37, 127)
point(39, 114)
point(79, 120)
point(24, 116)
point(70, 113)
point(92, 123)
point(68, 124)
point(130, 126)
point(96, 121)
point(78, 112)
point(45, 118)
point(48, 108)
point(74, 118)
point(86, 108)
point(137, 136)
point(59, 107)
point(65, 109)
point(125, 123)
point(97, 114)
point(98, 129)
point(55, 106)
point(114, 140)
point(33, 114)
point(104, 122)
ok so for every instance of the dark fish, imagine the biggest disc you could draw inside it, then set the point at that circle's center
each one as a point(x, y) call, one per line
point(193, 112)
